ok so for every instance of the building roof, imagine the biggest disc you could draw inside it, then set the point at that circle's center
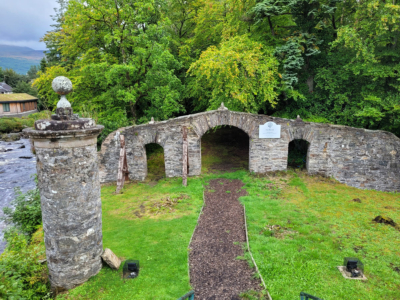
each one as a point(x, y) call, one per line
point(4, 87)
point(19, 97)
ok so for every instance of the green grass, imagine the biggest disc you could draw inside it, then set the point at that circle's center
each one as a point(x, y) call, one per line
point(133, 227)
point(300, 229)
point(319, 226)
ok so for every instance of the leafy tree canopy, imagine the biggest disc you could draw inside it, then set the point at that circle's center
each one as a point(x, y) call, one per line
point(239, 73)
point(325, 60)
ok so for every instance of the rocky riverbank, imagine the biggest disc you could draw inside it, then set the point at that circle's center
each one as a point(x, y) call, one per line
point(17, 168)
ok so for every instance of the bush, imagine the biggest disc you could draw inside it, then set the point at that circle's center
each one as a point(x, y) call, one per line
point(26, 215)
point(22, 276)
point(8, 125)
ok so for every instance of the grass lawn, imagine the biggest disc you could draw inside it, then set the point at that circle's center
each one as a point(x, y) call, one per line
point(319, 225)
point(300, 229)
point(152, 224)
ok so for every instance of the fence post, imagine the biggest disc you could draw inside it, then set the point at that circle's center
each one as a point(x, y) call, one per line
point(122, 165)
point(184, 156)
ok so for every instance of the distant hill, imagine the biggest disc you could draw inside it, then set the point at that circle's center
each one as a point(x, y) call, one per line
point(20, 59)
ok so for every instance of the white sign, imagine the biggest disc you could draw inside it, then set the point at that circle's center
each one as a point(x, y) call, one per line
point(270, 131)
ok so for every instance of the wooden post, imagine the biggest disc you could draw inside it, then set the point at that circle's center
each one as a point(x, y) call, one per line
point(122, 166)
point(185, 157)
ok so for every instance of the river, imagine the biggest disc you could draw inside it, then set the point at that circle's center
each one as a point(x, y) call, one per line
point(17, 168)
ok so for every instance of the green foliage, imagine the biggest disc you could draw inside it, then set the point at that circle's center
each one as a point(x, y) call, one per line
point(330, 60)
point(25, 87)
point(112, 121)
point(43, 65)
point(8, 125)
point(12, 78)
point(239, 73)
point(32, 72)
point(124, 61)
point(25, 213)
point(22, 276)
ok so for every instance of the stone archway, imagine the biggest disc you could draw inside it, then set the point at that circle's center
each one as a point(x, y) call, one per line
point(155, 161)
point(225, 149)
point(298, 154)
point(358, 157)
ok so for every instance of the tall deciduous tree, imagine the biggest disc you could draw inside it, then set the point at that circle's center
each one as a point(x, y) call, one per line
point(123, 56)
point(241, 73)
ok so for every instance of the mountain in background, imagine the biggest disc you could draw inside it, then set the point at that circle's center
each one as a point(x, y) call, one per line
point(20, 59)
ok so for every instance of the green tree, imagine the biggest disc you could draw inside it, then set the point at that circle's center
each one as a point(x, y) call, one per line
point(43, 65)
point(32, 72)
point(12, 78)
point(25, 87)
point(125, 63)
point(360, 85)
point(241, 73)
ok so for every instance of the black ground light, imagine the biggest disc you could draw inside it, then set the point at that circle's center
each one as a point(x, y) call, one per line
point(305, 296)
point(131, 269)
point(354, 266)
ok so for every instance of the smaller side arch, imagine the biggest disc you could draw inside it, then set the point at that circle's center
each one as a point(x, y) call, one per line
point(318, 154)
point(146, 168)
point(301, 132)
point(297, 150)
point(136, 151)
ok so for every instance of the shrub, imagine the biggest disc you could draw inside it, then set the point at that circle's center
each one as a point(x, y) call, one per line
point(22, 276)
point(25, 212)
point(8, 125)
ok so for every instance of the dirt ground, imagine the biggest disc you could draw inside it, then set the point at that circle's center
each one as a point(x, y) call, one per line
point(225, 149)
point(215, 271)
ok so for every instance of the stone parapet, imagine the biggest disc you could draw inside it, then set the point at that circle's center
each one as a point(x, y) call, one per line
point(367, 159)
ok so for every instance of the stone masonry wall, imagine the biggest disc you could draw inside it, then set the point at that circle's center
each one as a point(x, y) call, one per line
point(71, 208)
point(358, 157)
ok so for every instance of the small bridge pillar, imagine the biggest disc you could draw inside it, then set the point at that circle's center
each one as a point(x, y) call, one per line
point(68, 179)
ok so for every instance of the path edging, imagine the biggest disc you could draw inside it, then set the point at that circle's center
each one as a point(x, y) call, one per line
point(251, 255)
point(188, 248)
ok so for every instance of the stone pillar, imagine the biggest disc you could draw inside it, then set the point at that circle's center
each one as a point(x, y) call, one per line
point(68, 179)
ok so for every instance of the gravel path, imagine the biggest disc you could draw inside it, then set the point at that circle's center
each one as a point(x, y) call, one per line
point(214, 270)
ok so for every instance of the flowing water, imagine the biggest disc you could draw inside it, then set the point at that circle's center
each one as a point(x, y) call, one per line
point(17, 169)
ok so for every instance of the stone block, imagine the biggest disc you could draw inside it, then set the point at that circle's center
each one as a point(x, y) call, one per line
point(111, 259)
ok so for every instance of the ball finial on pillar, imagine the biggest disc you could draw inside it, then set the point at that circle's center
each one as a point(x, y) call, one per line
point(69, 185)
point(62, 86)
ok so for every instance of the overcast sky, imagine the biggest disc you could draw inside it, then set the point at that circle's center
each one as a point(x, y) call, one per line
point(24, 22)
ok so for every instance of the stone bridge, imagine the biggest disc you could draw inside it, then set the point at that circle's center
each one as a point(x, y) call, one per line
point(367, 159)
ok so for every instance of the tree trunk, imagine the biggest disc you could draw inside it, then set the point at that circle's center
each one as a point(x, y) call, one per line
point(270, 26)
point(133, 110)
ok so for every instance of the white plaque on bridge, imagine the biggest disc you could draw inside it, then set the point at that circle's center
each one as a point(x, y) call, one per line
point(270, 131)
